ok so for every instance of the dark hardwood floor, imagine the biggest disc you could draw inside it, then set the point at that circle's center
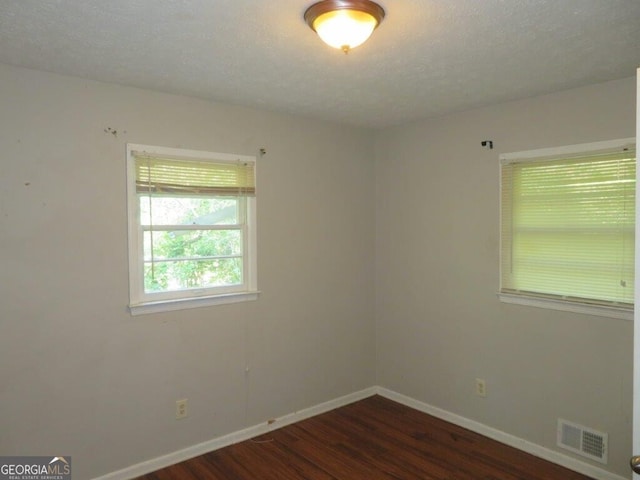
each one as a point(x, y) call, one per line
point(373, 439)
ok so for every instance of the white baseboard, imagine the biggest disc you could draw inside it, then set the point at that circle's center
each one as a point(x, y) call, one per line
point(502, 437)
point(234, 437)
point(262, 428)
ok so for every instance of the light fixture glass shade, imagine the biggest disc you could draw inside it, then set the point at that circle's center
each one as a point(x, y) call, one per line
point(344, 24)
point(344, 29)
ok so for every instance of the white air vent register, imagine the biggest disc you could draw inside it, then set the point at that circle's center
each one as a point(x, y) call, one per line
point(583, 441)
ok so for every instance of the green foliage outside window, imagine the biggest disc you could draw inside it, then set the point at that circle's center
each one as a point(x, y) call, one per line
point(193, 243)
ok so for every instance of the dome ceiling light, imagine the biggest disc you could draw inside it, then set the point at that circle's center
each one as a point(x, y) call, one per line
point(344, 24)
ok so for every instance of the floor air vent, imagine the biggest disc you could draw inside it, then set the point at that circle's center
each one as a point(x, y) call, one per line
point(583, 441)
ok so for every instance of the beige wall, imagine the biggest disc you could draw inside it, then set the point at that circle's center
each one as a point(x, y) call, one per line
point(439, 322)
point(79, 376)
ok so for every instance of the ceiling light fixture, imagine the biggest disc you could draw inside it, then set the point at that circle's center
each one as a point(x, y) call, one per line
point(344, 24)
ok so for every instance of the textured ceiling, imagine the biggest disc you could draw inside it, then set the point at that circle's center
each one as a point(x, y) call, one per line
point(429, 57)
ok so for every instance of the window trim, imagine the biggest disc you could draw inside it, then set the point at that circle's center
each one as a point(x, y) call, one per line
point(547, 301)
point(174, 304)
point(566, 306)
point(142, 303)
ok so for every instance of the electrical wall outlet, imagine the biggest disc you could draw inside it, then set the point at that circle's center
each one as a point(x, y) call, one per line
point(481, 387)
point(181, 409)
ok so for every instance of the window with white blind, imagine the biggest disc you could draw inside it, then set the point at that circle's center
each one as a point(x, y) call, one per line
point(568, 228)
point(192, 235)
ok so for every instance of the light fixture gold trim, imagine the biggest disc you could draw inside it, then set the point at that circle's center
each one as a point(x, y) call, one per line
point(357, 10)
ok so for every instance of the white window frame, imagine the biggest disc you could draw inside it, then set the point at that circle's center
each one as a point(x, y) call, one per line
point(143, 303)
point(550, 303)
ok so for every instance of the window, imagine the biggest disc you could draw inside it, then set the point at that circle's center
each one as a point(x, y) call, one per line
point(568, 228)
point(192, 236)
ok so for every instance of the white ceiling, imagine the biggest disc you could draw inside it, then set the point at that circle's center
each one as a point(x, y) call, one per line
point(429, 57)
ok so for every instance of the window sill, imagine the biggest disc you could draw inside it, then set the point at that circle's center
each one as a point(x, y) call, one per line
point(196, 302)
point(585, 308)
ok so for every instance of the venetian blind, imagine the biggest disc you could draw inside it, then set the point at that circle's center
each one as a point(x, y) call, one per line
point(568, 227)
point(190, 177)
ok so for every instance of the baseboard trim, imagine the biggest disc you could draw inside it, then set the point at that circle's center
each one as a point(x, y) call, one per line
point(502, 437)
point(235, 437)
point(262, 428)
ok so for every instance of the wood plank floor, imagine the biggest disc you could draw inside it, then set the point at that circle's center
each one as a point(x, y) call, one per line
point(373, 439)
